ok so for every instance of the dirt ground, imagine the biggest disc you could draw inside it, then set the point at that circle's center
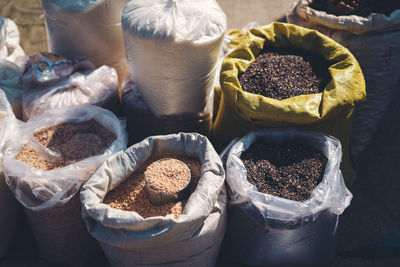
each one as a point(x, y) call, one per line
point(369, 228)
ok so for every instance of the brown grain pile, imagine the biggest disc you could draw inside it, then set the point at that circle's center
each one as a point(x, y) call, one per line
point(288, 170)
point(72, 141)
point(282, 74)
point(361, 8)
point(130, 195)
point(167, 175)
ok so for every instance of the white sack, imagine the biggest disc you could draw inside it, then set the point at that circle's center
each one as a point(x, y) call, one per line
point(375, 42)
point(40, 189)
point(9, 208)
point(9, 42)
point(10, 75)
point(130, 240)
point(172, 49)
point(88, 29)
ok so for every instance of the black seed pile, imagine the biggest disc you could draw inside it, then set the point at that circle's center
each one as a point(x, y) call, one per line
point(289, 170)
point(284, 74)
point(361, 8)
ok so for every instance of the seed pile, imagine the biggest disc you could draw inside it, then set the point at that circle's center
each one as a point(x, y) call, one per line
point(287, 170)
point(361, 8)
point(72, 141)
point(284, 74)
point(167, 175)
point(131, 195)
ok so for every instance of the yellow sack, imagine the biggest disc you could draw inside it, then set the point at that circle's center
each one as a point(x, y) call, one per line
point(328, 112)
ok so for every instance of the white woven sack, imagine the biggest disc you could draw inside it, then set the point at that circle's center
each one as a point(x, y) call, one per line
point(9, 42)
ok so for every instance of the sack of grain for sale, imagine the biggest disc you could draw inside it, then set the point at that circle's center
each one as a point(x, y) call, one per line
point(9, 42)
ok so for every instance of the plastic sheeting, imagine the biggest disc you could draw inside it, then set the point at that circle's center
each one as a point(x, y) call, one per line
point(130, 240)
point(9, 208)
point(329, 111)
point(172, 49)
point(51, 81)
point(88, 29)
point(9, 42)
point(375, 42)
point(273, 231)
point(142, 123)
point(10, 75)
point(39, 189)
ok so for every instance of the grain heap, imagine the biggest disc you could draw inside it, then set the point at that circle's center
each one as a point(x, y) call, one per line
point(130, 195)
point(290, 171)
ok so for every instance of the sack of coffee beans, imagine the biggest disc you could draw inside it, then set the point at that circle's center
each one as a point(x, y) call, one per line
point(371, 31)
point(286, 194)
point(48, 160)
point(10, 75)
point(10, 49)
point(87, 29)
point(142, 122)
point(172, 49)
point(51, 81)
point(134, 228)
point(9, 208)
point(285, 75)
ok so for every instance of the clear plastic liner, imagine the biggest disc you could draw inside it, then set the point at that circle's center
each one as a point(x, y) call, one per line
point(51, 81)
point(172, 50)
point(40, 189)
point(10, 75)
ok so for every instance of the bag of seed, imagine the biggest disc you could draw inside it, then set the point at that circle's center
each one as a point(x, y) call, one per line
point(132, 230)
point(87, 29)
point(50, 81)
point(286, 194)
point(48, 160)
point(9, 42)
point(371, 31)
point(285, 75)
point(9, 208)
point(10, 75)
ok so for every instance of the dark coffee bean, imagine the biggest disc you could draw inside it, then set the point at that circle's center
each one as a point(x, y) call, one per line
point(284, 74)
point(288, 170)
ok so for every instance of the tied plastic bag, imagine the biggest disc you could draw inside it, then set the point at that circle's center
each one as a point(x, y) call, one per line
point(375, 42)
point(172, 49)
point(87, 29)
point(130, 240)
point(329, 111)
point(40, 189)
point(270, 230)
point(141, 122)
point(9, 208)
point(9, 42)
point(51, 81)
point(10, 75)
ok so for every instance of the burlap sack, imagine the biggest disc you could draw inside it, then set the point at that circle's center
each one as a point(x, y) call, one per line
point(129, 240)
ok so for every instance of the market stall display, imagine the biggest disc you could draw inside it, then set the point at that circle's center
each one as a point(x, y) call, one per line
point(328, 111)
point(134, 232)
point(46, 163)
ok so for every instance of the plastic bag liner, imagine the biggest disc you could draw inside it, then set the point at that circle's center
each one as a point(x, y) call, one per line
point(96, 87)
point(142, 122)
point(9, 208)
point(9, 42)
point(329, 112)
point(87, 29)
point(129, 240)
point(10, 75)
point(375, 42)
point(172, 49)
point(52, 205)
point(265, 229)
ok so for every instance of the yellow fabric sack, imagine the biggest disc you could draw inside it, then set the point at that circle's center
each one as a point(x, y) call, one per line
point(328, 112)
